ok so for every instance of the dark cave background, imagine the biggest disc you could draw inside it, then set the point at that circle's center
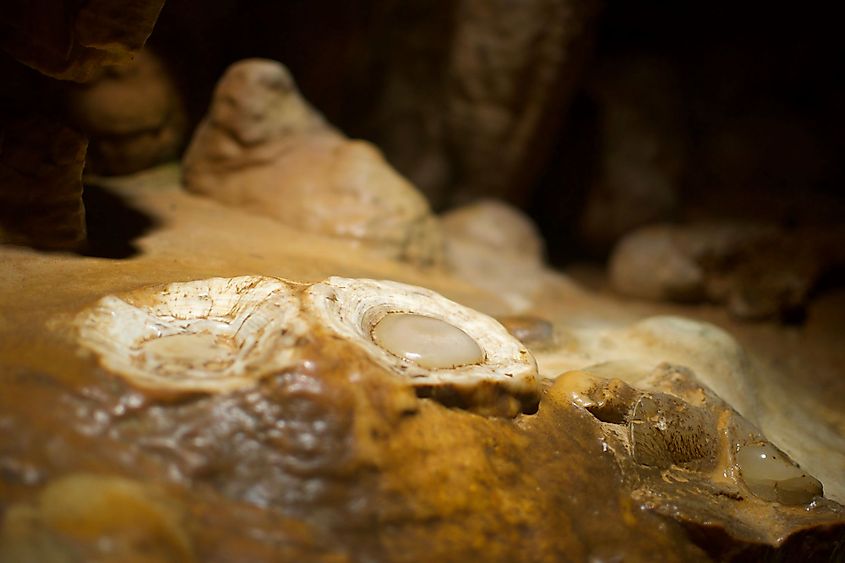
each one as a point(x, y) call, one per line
point(743, 102)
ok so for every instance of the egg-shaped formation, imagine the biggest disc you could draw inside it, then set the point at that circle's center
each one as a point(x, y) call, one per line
point(468, 358)
point(771, 475)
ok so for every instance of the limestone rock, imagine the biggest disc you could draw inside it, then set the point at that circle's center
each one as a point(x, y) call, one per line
point(758, 271)
point(75, 40)
point(332, 457)
point(41, 163)
point(497, 226)
point(494, 245)
point(133, 116)
point(223, 334)
point(263, 148)
point(670, 429)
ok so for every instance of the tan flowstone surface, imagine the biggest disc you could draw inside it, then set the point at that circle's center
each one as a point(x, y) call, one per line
point(336, 459)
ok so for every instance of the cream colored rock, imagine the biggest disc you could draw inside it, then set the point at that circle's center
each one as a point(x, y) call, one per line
point(426, 341)
point(211, 335)
point(771, 475)
point(495, 246)
point(498, 226)
point(352, 309)
point(219, 335)
point(263, 148)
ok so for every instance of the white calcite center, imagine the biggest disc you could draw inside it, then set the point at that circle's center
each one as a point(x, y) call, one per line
point(427, 341)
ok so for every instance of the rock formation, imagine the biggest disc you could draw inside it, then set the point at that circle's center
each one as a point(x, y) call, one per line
point(76, 40)
point(640, 148)
point(474, 115)
point(330, 454)
point(264, 149)
point(41, 163)
point(757, 271)
point(133, 116)
point(495, 246)
point(265, 381)
point(42, 153)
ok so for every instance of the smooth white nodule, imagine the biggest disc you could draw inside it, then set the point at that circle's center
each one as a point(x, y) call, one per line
point(426, 341)
point(771, 476)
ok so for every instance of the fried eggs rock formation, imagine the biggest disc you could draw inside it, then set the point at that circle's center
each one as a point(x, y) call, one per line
point(478, 364)
point(219, 335)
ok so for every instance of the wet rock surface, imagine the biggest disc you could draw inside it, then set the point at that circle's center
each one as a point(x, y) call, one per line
point(334, 459)
point(682, 447)
point(378, 473)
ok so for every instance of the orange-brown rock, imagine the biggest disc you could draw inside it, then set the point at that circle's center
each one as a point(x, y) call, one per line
point(336, 459)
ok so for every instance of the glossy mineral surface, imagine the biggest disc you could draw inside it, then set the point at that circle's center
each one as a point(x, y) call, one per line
point(427, 341)
point(770, 475)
